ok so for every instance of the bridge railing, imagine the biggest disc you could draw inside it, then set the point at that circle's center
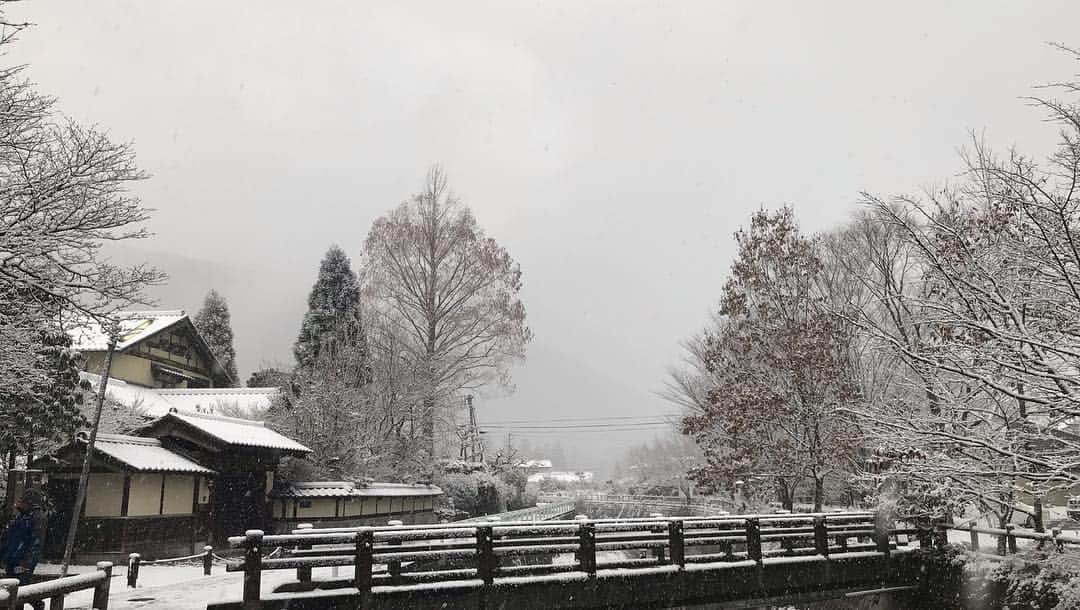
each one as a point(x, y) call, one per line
point(14, 596)
point(399, 555)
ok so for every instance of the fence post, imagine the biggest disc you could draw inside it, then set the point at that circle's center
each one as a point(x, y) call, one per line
point(974, 539)
point(821, 536)
point(304, 574)
point(586, 554)
point(101, 589)
point(253, 569)
point(11, 587)
point(56, 602)
point(1010, 538)
point(207, 560)
point(941, 535)
point(753, 539)
point(658, 551)
point(365, 549)
point(133, 570)
point(485, 553)
point(881, 538)
point(925, 541)
point(394, 567)
point(677, 542)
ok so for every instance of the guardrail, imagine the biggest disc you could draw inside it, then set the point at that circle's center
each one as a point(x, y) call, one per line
point(703, 507)
point(459, 552)
point(533, 513)
point(13, 596)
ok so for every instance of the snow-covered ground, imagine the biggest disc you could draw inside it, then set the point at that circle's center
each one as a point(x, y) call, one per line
point(178, 587)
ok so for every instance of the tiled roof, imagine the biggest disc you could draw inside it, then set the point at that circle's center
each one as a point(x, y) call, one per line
point(145, 454)
point(342, 489)
point(236, 400)
point(239, 432)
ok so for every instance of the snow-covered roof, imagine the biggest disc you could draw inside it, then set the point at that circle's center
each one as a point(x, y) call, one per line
point(345, 489)
point(236, 400)
point(89, 336)
point(236, 431)
point(158, 402)
point(144, 399)
point(145, 454)
point(536, 464)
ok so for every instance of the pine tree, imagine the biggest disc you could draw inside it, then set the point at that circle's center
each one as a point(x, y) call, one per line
point(333, 323)
point(215, 326)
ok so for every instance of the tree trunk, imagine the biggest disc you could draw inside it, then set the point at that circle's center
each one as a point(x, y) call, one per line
point(787, 496)
point(427, 427)
point(819, 493)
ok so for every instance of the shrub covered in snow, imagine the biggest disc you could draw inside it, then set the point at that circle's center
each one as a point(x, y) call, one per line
point(1045, 579)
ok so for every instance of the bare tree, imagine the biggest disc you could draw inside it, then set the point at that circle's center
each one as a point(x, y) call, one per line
point(63, 195)
point(447, 294)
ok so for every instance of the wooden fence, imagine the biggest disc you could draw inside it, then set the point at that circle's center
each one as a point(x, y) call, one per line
point(1005, 538)
point(458, 552)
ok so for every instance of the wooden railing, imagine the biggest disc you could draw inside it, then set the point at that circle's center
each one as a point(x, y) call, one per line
point(13, 597)
point(458, 552)
point(1005, 538)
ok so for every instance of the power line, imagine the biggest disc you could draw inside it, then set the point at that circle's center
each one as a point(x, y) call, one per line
point(584, 419)
point(575, 426)
point(628, 428)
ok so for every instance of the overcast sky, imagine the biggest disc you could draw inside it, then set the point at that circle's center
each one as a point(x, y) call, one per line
point(611, 147)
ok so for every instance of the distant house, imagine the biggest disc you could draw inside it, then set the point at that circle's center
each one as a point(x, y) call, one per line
point(535, 466)
point(340, 504)
point(561, 477)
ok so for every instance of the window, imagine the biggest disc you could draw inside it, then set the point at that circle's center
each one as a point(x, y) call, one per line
point(305, 503)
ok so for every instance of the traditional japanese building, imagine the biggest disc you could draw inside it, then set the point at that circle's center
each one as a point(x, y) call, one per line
point(155, 349)
point(186, 476)
point(140, 497)
point(187, 480)
point(345, 504)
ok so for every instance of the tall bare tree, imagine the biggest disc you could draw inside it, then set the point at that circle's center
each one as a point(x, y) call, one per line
point(448, 293)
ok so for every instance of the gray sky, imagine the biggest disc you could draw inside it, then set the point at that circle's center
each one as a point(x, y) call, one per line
point(611, 147)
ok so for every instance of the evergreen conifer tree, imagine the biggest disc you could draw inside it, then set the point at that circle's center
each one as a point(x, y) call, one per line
point(215, 326)
point(333, 325)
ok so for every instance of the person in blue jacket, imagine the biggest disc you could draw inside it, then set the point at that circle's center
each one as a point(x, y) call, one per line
point(20, 545)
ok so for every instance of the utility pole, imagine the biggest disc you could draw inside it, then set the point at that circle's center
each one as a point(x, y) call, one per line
point(474, 431)
point(80, 496)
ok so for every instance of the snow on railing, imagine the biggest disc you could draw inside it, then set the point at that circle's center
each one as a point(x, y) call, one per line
point(14, 596)
point(397, 555)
